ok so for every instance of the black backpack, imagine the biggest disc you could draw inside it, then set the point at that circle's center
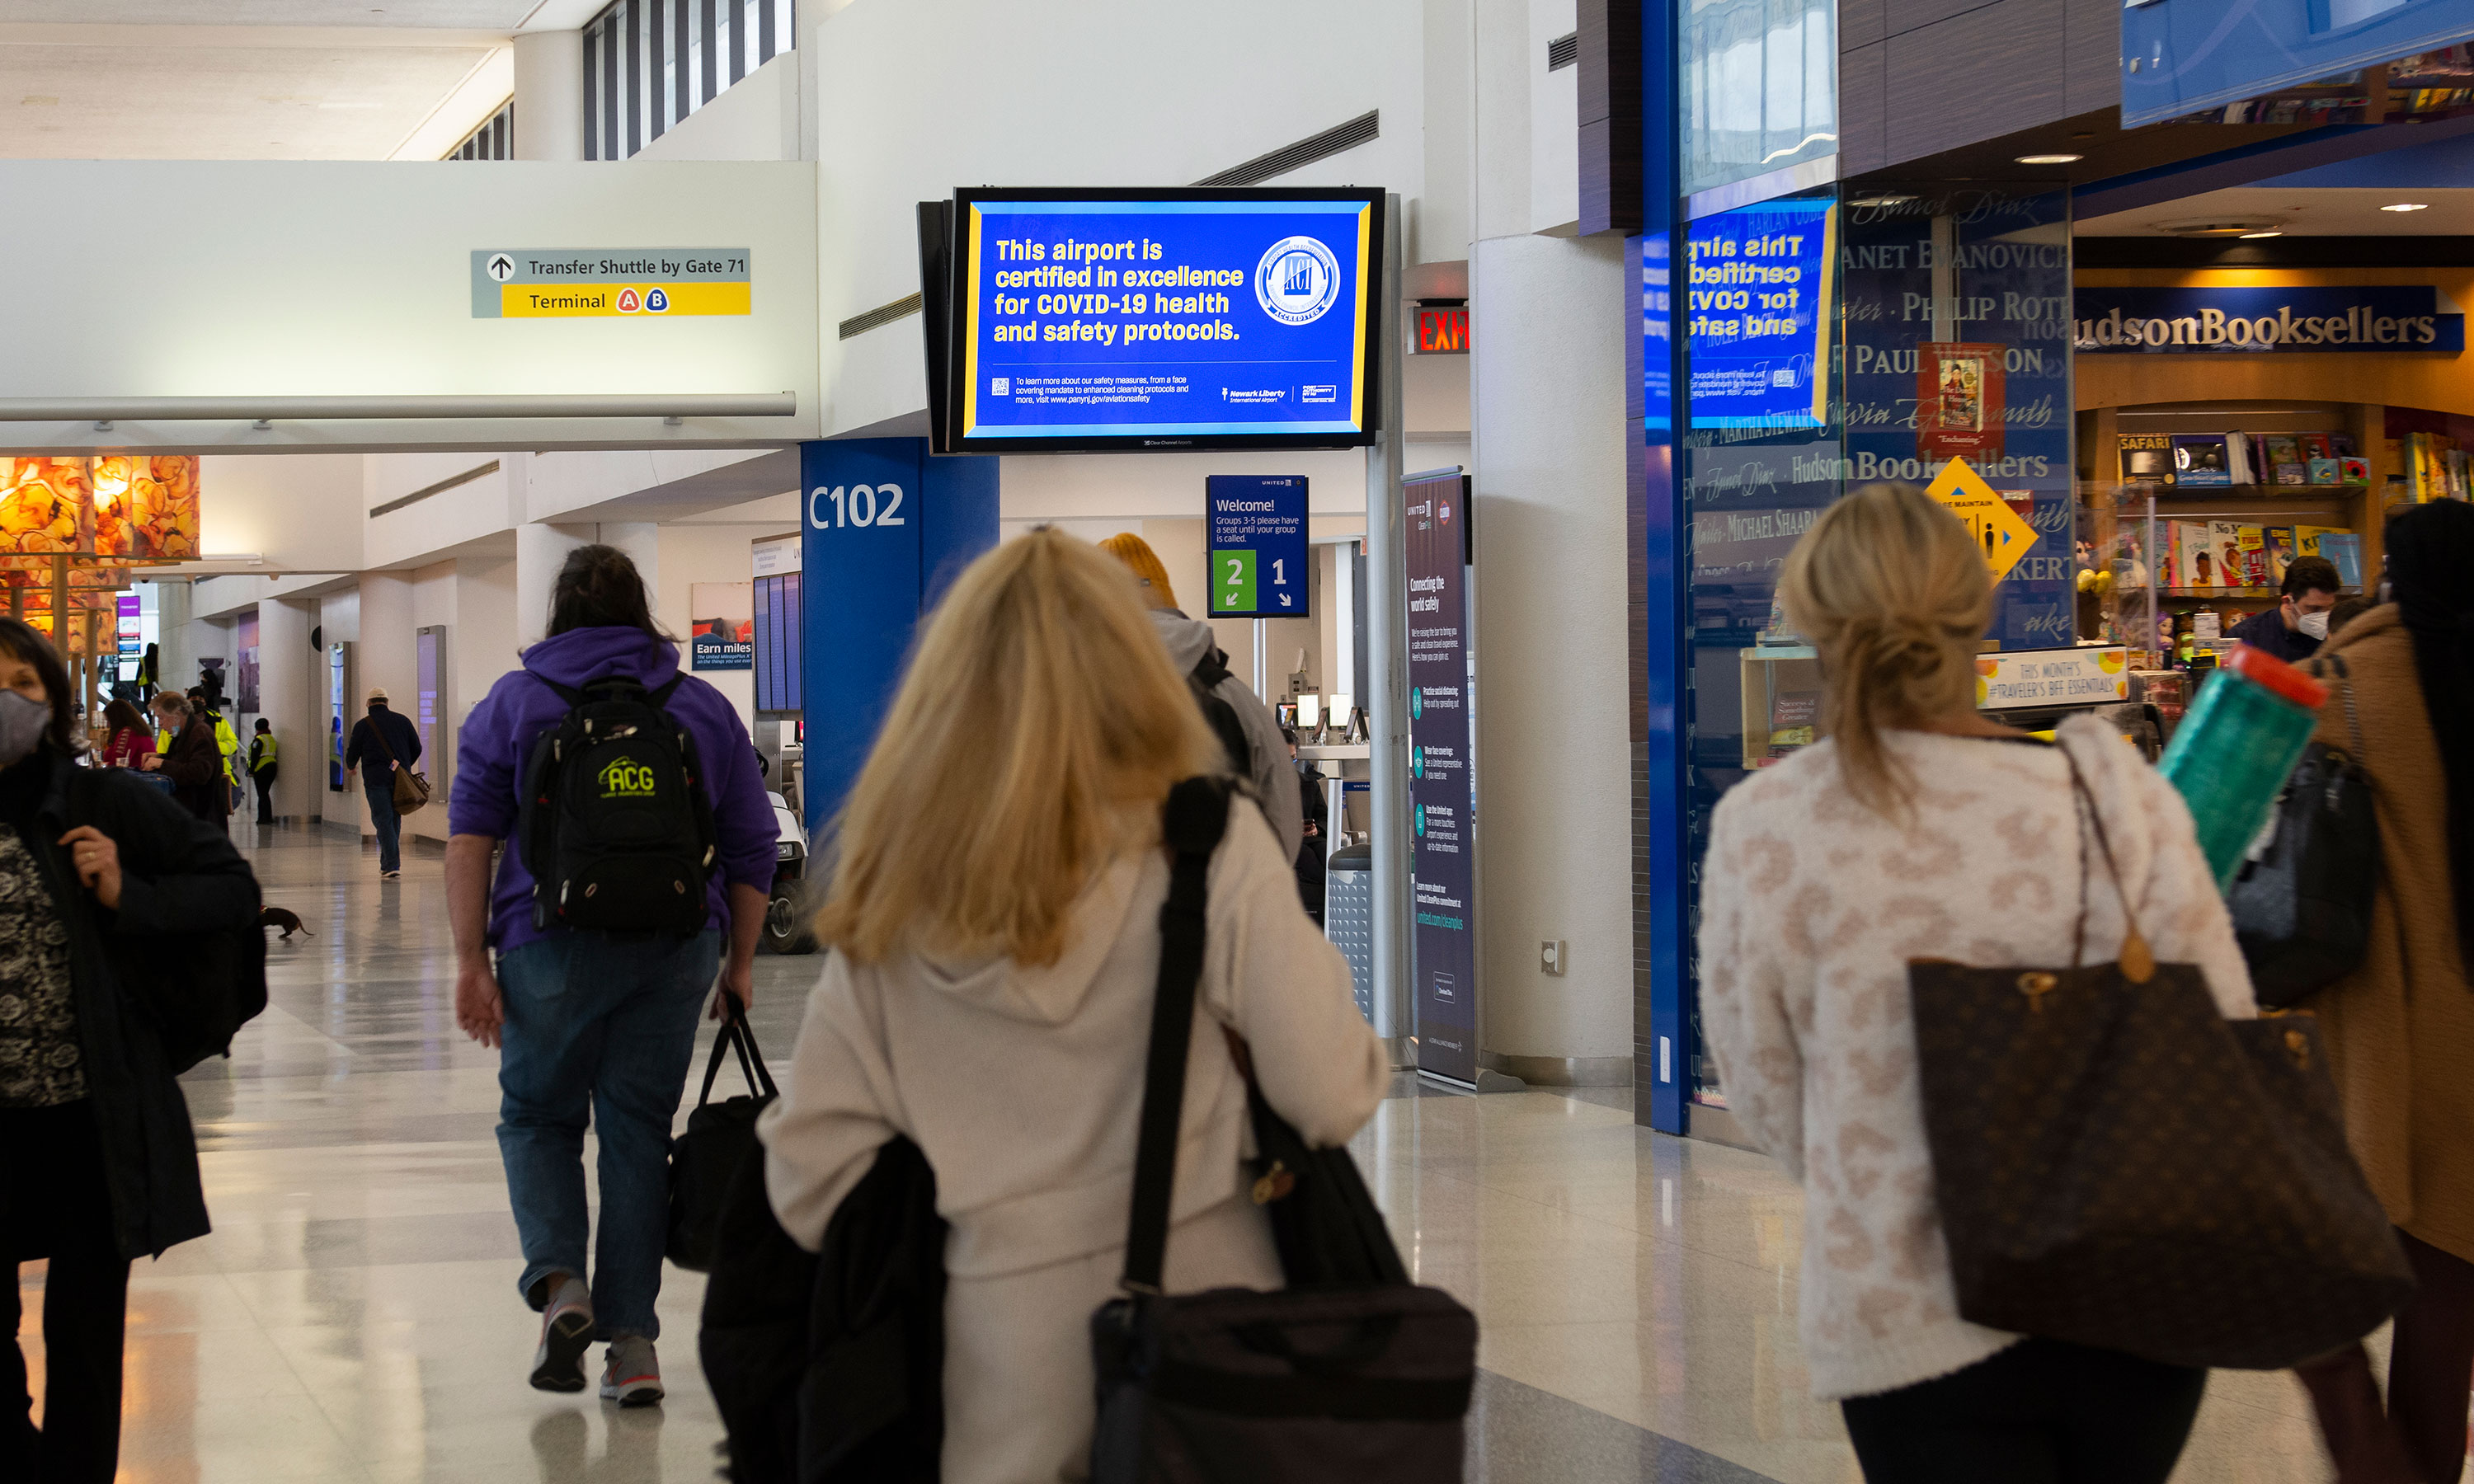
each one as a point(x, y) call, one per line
point(1207, 674)
point(616, 825)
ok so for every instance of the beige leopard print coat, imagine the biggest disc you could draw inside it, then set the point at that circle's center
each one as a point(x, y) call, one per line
point(1811, 906)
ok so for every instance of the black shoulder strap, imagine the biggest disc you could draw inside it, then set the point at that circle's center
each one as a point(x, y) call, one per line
point(662, 697)
point(1192, 823)
point(1212, 669)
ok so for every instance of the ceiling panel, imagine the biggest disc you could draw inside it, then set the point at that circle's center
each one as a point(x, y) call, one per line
point(474, 15)
point(221, 102)
point(2302, 213)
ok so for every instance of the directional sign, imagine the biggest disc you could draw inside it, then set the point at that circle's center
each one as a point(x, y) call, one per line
point(535, 284)
point(1998, 531)
point(1256, 529)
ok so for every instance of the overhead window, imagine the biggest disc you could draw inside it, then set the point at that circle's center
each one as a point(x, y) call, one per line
point(494, 139)
point(649, 64)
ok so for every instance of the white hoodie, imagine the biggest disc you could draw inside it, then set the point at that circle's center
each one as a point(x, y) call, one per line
point(1023, 1086)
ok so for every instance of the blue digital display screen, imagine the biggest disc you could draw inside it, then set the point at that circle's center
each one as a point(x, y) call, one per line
point(1164, 318)
point(1759, 304)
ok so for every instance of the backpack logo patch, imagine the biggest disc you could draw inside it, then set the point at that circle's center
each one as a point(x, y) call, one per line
point(624, 777)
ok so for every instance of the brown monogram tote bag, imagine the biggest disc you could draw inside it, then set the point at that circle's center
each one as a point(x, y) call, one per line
point(2119, 1165)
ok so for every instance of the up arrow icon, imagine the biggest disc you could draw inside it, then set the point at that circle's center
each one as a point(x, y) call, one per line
point(502, 268)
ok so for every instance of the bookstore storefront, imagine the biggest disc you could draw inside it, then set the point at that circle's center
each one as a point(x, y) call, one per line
point(2232, 419)
point(2141, 450)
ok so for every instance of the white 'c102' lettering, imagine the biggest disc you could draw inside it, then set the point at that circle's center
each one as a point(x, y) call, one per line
point(854, 505)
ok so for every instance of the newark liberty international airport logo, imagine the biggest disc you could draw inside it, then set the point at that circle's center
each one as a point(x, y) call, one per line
point(1298, 279)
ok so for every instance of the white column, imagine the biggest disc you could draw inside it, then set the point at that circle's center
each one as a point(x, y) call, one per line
point(641, 542)
point(1554, 822)
point(1548, 435)
point(540, 550)
point(176, 666)
point(288, 673)
point(550, 95)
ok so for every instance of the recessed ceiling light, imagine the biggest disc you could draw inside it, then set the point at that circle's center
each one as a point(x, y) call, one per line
point(2254, 237)
point(2408, 206)
point(2050, 159)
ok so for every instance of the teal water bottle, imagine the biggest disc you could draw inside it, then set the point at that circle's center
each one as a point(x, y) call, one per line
point(2232, 753)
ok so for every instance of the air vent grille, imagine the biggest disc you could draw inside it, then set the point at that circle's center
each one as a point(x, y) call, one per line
point(1564, 51)
point(881, 315)
point(1305, 152)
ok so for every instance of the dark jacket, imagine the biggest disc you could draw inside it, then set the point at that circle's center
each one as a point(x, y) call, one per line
point(2266, 630)
point(364, 752)
point(179, 875)
point(194, 763)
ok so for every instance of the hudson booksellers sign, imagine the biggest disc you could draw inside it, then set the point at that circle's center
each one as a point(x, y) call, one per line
point(2382, 319)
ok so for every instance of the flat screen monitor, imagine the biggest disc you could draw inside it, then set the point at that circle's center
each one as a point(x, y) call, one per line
point(1094, 321)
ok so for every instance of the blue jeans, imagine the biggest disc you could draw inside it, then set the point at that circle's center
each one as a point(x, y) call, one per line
point(599, 1023)
point(390, 825)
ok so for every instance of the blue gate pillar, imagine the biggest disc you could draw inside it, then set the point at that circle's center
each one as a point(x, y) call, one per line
point(885, 528)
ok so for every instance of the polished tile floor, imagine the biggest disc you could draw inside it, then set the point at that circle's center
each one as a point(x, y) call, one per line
point(354, 1316)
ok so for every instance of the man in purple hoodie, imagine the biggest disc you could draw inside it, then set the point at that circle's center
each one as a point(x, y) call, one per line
point(594, 1022)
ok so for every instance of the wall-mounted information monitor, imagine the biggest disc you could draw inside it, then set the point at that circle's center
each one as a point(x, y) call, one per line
point(1087, 320)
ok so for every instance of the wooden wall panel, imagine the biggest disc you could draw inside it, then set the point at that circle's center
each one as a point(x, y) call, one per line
point(1863, 109)
point(1610, 119)
point(1976, 76)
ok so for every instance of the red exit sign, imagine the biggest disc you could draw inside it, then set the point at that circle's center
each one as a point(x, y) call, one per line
point(1442, 331)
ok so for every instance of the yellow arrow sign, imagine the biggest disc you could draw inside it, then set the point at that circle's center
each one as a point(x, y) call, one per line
point(1998, 530)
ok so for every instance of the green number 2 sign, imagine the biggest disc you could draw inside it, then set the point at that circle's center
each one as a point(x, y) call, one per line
point(1232, 580)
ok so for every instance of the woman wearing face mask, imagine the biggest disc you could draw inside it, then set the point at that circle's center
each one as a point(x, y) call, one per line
point(2400, 1029)
point(97, 1161)
point(193, 760)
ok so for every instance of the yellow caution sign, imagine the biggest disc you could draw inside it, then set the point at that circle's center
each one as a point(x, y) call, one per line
point(1998, 530)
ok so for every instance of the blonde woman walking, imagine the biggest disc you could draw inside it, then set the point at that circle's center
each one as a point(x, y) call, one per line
point(995, 946)
point(1919, 829)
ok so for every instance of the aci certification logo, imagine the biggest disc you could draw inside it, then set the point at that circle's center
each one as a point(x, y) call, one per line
point(1297, 280)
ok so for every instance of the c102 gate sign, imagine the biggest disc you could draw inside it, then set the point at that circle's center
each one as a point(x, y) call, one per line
point(2383, 319)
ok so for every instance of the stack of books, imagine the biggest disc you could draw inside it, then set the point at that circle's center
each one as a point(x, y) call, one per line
point(2204, 461)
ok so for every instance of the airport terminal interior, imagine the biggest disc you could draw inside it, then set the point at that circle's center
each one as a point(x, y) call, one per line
point(1470, 367)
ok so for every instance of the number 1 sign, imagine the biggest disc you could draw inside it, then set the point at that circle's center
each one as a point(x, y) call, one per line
point(1255, 529)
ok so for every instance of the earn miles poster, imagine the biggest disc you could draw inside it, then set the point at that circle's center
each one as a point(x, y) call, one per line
point(1163, 319)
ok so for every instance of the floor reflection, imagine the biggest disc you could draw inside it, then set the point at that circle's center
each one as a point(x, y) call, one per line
point(353, 1317)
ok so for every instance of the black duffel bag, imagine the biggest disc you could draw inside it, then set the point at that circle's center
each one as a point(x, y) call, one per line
point(2301, 904)
point(720, 1137)
point(1359, 1378)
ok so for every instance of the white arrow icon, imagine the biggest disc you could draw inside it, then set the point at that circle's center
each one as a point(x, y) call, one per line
point(502, 268)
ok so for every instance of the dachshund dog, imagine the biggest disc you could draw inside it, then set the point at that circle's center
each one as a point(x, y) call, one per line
point(283, 918)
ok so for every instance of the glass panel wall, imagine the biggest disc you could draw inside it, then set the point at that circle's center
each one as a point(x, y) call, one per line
point(1833, 342)
point(1760, 87)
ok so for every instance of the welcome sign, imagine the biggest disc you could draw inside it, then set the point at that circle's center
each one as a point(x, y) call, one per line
point(2382, 319)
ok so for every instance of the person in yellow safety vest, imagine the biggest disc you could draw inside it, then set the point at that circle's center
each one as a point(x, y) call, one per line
point(261, 770)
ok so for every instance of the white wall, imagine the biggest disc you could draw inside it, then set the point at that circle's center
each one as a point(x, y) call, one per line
point(302, 513)
point(335, 278)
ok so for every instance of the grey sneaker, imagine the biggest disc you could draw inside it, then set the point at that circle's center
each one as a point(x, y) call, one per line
point(633, 1378)
point(567, 1332)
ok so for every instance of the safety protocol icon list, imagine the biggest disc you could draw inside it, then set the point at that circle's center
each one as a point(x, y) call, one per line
point(1297, 280)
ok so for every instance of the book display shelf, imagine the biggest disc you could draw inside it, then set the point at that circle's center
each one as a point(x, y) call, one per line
point(2190, 511)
